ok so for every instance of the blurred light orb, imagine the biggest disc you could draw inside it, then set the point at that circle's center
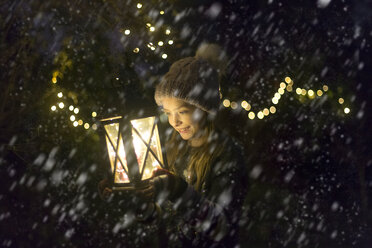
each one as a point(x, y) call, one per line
point(260, 115)
point(325, 87)
point(275, 100)
point(148, 24)
point(54, 80)
point(94, 127)
point(289, 88)
point(94, 114)
point(167, 32)
point(281, 91)
point(152, 29)
point(136, 50)
point(76, 110)
point(164, 56)
point(60, 95)
point(346, 110)
point(80, 122)
point(160, 43)
point(152, 48)
point(277, 95)
point(72, 118)
point(226, 103)
point(61, 105)
point(282, 85)
point(86, 125)
point(341, 100)
point(161, 12)
point(266, 111)
point(287, 80)
point(127, 32)
point(170, 42)
point(303, 92)
point(244, 104)
point(234, 105)
point(75, 124)
point(298, 91)
point(272, 109)
point(319, 92)
point(251, 115)
point(71, 108)
point(53, 108)
point(139, 5)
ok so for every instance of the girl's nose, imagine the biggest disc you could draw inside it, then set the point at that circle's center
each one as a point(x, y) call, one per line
point(176, 120)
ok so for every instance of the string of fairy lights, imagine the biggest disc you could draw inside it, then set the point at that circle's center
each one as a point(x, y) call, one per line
point(157, 47)
point(286, 86)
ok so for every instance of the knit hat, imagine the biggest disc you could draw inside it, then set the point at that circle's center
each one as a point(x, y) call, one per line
point(192, 80)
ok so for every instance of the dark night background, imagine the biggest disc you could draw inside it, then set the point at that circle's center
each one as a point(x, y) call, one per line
point(310, 164)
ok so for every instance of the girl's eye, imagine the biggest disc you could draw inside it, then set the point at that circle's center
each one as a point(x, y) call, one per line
point(184, 112)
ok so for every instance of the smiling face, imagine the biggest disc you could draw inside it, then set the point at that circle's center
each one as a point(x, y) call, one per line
point(185, 119)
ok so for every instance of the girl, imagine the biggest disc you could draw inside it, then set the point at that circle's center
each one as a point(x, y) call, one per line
point(202, 193)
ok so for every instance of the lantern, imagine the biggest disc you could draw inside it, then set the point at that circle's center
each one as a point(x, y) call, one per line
point(134, 150)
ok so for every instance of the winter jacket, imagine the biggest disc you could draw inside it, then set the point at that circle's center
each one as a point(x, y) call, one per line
point(210, 217)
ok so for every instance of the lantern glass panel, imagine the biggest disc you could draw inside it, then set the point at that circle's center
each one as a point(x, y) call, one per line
point(121, 162)
point(147, 128)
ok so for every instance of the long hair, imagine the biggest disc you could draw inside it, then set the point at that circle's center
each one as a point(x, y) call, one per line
point(201, 158)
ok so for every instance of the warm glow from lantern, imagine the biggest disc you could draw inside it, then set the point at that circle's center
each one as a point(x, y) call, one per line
point(136, 50)
point(251, 115)
point(86, 125)
point(298, 91)
point(325, 87)
point(282, 85)
point(80, 122)
point(319, 92)
point(161, 12)
point(341, 100)
point(94, 114)
point(275, 100)
point(287, 80)
point(147, 148)
point(54, 80)
point(281, 91)
point(260, 115)
point(266, 112)
point(303, 92)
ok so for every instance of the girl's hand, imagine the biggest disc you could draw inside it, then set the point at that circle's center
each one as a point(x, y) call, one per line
point(104, 190)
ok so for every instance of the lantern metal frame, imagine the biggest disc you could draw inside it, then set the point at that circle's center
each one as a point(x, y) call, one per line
point(125, 134)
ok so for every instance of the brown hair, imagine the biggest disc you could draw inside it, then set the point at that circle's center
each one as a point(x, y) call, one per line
point(201, 158)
